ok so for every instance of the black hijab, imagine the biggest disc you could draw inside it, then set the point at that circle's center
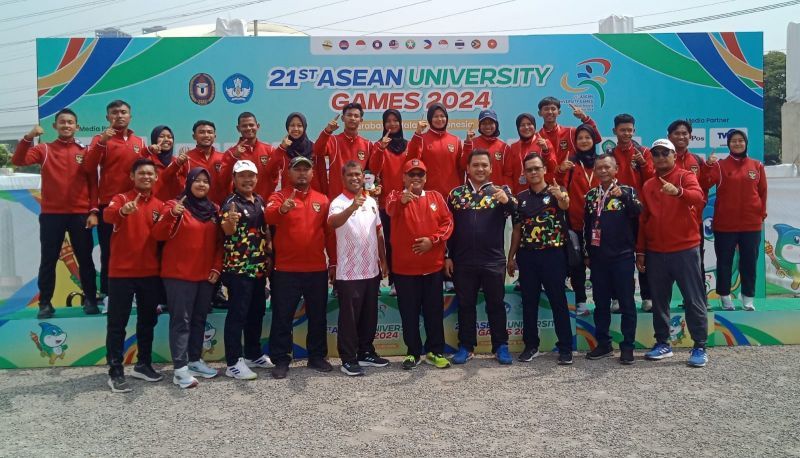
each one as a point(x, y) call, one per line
point(165, 157)
point(585, 157)
point(301, 146)
point(397, 144)
point(746, 143)
point(431, 110)
point(202, 209)
point(531, 119)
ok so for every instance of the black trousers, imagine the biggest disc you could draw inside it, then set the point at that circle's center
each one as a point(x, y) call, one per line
point(544, 268)
point(358, 317)
point(577, 277)
point(611, 278)
point(188, 303)
point(468, 280)
point(247, 304)
point(683, 268)
point(421, 294)
point(52, 227)
point(287, 289)
point(121, 292)
point(725, 244)
point(387, 233)
point(104, 231)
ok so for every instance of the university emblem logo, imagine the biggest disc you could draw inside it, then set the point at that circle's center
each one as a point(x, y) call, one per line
point(202, 89)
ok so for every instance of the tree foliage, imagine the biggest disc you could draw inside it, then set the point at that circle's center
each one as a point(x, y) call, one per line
point(774, 98)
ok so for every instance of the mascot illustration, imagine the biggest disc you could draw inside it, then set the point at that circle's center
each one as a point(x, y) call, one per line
point(785, 256)
point(677, 329)
point(50, 342)
point(208, 339)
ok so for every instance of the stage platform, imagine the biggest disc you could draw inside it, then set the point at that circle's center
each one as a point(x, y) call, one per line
point(74, 339)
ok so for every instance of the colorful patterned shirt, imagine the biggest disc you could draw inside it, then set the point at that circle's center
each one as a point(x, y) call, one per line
point(543, 223)
point(246, 249)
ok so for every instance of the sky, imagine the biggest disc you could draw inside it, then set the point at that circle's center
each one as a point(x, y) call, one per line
point(21, 21)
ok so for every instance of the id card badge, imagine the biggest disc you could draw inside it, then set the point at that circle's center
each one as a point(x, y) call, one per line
point(595, 236)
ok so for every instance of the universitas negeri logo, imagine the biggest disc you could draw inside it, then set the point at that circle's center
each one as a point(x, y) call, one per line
point(201, 89)
point(238, 88)
point(592, 74)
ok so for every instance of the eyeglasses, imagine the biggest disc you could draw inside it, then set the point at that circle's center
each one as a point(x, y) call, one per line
point(660, 152)
point(533, 169)
point(415, 174)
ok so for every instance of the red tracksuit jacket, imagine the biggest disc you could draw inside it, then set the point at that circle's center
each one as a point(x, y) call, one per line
point(261, 154)
point(578, 181)
point(669, 223)
point(302, 236)
point(280, 164)
point(193, 248)
point(629, 174)
point(388, 166)
point(499, 152)
point(66, 185)
point(340, 149)
point(115, 159)
point(741, 204)
point(514, 165)
point(213, 164)
point(427, 216)
point(441, 152)
point(168, 185)
point(563, 139)
point(134, 250)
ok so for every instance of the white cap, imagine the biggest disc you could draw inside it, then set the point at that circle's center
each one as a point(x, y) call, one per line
point(244, 165)
point(664, 143)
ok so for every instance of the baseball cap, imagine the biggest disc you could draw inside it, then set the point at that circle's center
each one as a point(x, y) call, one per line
point(663, 143)
point(300, 160)
point(490, 114)
point(414, 164)
point(243, 166)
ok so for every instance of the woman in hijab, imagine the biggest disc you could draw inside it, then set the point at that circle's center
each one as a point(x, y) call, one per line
point(739, 214)
point(162, 142)
point(190, 266)
point(439, 149)
point(489, 140)
point(386, 163)
point(296, 143)
point(529, 142)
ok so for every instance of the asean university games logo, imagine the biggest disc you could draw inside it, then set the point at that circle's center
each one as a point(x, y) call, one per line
point(202, 89)
point(237, 88)
point(593, 75)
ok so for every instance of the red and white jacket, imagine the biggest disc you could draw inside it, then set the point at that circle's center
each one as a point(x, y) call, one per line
point(115, 159)
point(741, 204)
point(192, 248)
point(441, 152)
point(134, 250)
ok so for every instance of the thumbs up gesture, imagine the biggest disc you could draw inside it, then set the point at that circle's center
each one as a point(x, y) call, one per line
point(333, 124)
point(359, 199)
point(615, 190)
point(542, 144)
point(286, 143)
point(500, 196)
point(240, 149)
point(178, 209)
point(289, 203)
point(233, 215)
point(408, 195)
point(555, 190)
point(668, 188)
point(35, 131)
point(470, 132)
point(131, 206)
point(713, 159)
point(566, 165)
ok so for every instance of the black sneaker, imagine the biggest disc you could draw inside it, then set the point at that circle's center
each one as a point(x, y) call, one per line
point(626, 356)
point(90, 307)
point(280, 370)
point(600, 352)
point(352, 369)
point(118, 384)
point(46, 311)
point(411, 362)
point(372, 360)
point(528, 354)
point(147, 373)
point(320, 364)
point(565, 358)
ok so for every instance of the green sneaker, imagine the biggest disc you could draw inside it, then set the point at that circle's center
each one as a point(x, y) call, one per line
point(410, 362)
point(437, 360)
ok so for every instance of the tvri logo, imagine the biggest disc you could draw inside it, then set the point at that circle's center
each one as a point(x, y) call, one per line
point(718, 137)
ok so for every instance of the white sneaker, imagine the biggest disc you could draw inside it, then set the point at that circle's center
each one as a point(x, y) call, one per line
point(199, 368)
point(614, 306)
point(262, 362)
point(747, 304)
point(105, 305)
point(184, 379)
point(393, 291)
point(727, 302)
point(647, 305)
point(449, 287)
point(581, 309)
point(240, 371)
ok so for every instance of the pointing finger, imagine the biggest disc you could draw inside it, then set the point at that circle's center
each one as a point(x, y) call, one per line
point(183, 199)
point(663, 180)
point(336, 118)
point(136, 200)
point(294, 193)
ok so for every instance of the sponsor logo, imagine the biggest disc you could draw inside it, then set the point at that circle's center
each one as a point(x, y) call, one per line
point(237, 88)
point(459, 44)
point(377, 44)
point(394, 44)
point(592, 74)
point(718, 138)
point(361, 44)
point(427, 44)
point(697, 138)
point(316, 206)
point(327, 45)
point(491, 43)
point(443, 44)
point(202, 89)
point(263, 159)
point(344, 44)
point(411, 44)
point(476, 44)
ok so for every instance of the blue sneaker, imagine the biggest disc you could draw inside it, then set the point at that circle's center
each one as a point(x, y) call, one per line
point(659, 351)
point(698, 357)
point(502, 355)
point(462, 356)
